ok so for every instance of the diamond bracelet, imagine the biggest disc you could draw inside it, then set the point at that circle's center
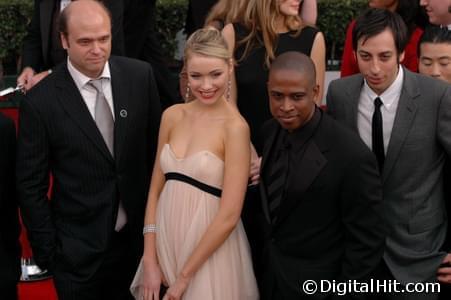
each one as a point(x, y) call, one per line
point(149, 228)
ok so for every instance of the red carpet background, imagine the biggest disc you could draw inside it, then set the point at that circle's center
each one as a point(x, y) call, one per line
point(38, 290)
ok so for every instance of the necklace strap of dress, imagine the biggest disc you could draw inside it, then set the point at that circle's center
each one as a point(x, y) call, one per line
point(191, 181)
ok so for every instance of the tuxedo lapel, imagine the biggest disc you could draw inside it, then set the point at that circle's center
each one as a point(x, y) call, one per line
point(71, 100)
point(273, 131)
point(304, 171)
point(46, 9)
point(121, 109)
point(405, 115)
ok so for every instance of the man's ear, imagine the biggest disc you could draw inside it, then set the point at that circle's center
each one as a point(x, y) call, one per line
point(401, 57)
point(64, 41)
point(316, 93)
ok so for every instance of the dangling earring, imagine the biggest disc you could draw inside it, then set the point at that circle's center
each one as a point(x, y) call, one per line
point(187, 93)
point(229, 87)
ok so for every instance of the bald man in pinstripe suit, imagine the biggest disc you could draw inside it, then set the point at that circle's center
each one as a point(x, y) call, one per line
point(90, 233)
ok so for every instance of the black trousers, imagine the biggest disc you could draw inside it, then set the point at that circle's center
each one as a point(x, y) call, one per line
point(383, 273)
point(8, 292)
point(111, 281)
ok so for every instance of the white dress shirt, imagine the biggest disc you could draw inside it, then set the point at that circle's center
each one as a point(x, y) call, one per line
point(390, 100)
point(88, 92)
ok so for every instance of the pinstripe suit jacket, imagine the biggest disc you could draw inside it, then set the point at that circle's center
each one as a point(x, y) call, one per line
point(57, 134)
point(412, 178)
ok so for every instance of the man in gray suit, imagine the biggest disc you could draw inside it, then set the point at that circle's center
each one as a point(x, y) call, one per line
point(405, 118)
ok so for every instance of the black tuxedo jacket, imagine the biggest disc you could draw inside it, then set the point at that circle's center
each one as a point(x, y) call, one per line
point(35, 52)
point(57, 134)
point(329, 224)
point(9, 217)
point(197, 13)
point(141, 42)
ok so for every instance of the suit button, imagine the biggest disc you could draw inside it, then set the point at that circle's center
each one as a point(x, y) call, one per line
point(273, 240)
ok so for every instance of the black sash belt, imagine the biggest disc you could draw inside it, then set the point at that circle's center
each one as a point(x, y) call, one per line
point(191, 181)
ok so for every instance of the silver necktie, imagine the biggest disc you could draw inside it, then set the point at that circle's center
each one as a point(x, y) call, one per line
point(104, 120)
point(103, 115)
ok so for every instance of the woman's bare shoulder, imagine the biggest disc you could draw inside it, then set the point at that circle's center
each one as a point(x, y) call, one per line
point(174, 112)
point(236, 124)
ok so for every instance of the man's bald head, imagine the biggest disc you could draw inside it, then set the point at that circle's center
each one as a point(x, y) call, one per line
point(86, 36)
point(78, 7)
point(296, 62)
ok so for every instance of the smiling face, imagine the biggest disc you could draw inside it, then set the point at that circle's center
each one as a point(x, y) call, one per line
point(88, 39)
point(435, 60)
point(207, 77)
point(292, 98)
point(438, 11)
point(378, 60)
point(289, 7)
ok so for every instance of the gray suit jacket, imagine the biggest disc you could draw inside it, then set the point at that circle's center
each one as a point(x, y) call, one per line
point(413, 171)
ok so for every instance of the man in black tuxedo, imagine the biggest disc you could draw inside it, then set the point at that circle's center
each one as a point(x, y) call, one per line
point(93, 123)
point(141, 42)
point(9, 217)
point(197, 13)
point(42, 49)
point(321, 192)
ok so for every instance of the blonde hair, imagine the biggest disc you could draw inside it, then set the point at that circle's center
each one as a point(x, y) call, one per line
point(207, 42)
point(260, 18)
point(225, 11)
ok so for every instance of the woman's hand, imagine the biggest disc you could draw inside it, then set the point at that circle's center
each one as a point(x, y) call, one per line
point(176, 290)
point(254, 172)
point(254, 175)
point(151, 281)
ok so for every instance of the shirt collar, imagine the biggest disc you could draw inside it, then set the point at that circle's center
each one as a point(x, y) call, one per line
point(391, 94)
point(81, 79)
point(299, 137)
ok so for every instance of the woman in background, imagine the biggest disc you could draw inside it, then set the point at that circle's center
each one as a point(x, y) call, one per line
point(227, 11)
point(266, 29)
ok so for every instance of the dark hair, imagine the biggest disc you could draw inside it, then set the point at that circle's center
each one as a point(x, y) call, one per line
point(409, 11)
point(64, 16)
point(374, 21)
point(434, 35)
point(295, 61)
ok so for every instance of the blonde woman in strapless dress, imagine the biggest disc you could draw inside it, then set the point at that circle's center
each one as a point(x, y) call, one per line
point(194, 239)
